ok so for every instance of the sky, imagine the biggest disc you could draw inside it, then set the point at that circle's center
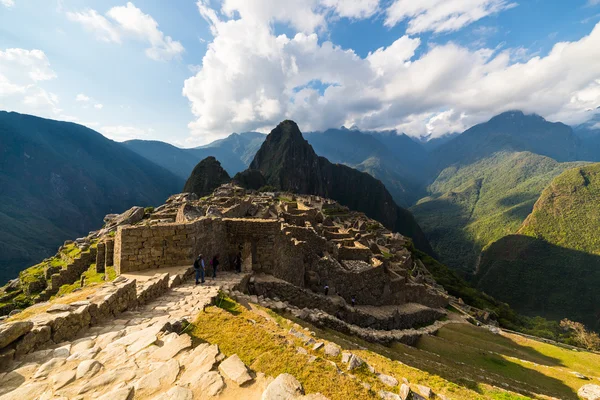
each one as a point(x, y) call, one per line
point(189, 72)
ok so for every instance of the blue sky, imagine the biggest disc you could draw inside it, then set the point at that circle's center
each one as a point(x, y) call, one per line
point(189, 72)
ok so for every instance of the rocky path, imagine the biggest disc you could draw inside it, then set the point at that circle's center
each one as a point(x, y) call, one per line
point(133, 357)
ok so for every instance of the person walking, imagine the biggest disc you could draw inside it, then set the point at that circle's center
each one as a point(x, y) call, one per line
point(199, 268)
point(238, 262)
point(215, 264)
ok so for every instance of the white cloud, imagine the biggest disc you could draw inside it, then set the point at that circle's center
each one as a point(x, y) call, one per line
point(442, 15)
point(353, 8)
point(129, 21)
point(98, 24)
point(251, 79)
point(7, 3)
point(82, 98)
point(98, 106)
point(21, 74)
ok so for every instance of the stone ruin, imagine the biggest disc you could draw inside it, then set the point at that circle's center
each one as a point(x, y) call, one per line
point(294, 245)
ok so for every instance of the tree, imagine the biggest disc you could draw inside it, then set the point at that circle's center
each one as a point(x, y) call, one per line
point(583, 337)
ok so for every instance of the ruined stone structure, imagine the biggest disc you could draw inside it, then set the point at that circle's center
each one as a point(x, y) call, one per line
point(305, 242)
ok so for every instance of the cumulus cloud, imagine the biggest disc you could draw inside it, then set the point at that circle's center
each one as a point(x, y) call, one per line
point(21, 74)
point(250, 79)
point(441, 15)
point(129, 21)
point(98, 106)
point(82, 98)
point(7, 3)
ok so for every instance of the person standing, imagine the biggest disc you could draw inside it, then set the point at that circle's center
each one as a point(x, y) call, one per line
point(326, 290)
point(238, 262)
point(199, 268)
point(353, 301)
point(215, 264)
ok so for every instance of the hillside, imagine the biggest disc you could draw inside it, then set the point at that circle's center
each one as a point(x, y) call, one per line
point(552, 267)
point(206, 177)
point(471, 206)
point(59, 180)
point(511, 131)
point(234, 152)
point(288, 162)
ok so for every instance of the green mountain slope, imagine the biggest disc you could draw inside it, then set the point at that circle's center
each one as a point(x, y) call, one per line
point(552, 267)
point(58, 180)
point(471, 206)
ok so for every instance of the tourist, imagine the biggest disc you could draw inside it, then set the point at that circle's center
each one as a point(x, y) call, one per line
point(326, 289)
point(199, 268)
point(238, 262)
point(215, 264)
point(353, 301)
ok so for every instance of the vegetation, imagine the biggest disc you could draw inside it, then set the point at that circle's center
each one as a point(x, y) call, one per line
point(91, 278)
point(450, 363)
point(267, 188)
point(474, 205)
point(584, 338)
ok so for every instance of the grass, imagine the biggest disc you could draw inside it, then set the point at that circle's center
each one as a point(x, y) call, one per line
point(92, 278)
point(261, 339)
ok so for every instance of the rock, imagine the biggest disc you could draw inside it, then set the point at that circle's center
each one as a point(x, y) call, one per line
point(45, 369)
point(29, 391)
point(109, 378)
point(284, 387)
point(125, 393)
point(162, 376)
point(12, 331)
point(82, 345)
point(388, 380)
point(388, 395)
point(6, 358)
point(579, 375)
point(88, 369)
point(172, 348)
point(589, 392)
point(425, 391)
point(63, 351)
point(59, 308)
point(354, 362)
point(332, 350)
point(234, 369)
point(301, 350)
point(313, 396)
point(209, 384)
point(15, 312)
point(346, 357)
point(141, 343)
point(405, 392)
point(84, 355)
point(176, 393)
point(200, 361)
point(317, 346)
point(62, 379)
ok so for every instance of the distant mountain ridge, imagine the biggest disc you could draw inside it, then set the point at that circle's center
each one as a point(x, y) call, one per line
point(288, 162)
point(58, 180)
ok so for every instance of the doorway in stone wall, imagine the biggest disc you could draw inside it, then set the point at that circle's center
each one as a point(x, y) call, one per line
point(248, 256)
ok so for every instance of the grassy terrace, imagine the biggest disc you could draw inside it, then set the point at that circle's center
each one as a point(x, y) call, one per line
point(450, 363)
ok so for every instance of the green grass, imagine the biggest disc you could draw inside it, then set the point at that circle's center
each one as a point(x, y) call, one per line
point(92, 278)
point(261, 339)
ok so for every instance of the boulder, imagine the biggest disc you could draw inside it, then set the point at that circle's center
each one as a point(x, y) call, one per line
point(162, 376)
point(284, 387)
point(405, 392)
point(45, 369)
point(125, 393)
point(234, 369)
point(176, 393)
point(88, 368)
point(332, 350)
point(210, 384)
point(62, 379)
point(354, 362)
point(388, 395)
point(425, 391)
point(388, 380)
point(12, 331)
point(589, 392)
point(172, 348)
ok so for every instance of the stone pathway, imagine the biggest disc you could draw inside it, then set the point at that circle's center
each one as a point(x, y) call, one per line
point(131, 358)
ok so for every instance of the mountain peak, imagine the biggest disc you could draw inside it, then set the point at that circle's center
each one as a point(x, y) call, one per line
point(206, 177)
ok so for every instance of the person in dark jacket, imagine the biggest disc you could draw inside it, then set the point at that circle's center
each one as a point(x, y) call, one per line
point(199, 268)
point(238, 262)
point(215, 264)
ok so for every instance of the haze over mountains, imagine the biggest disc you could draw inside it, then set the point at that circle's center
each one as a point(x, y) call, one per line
point(470, 193)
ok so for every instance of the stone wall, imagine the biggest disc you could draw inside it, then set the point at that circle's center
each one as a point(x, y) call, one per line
point(101, 257)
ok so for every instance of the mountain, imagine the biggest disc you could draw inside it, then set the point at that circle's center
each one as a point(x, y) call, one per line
point(510, 131)
point(234, 152)
point(431, 144)
point(552, 266)
point(288, 162)
point(206, 177)
point(399, 162)
point(471, 206)
point(58, 180)
point(589, 135)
